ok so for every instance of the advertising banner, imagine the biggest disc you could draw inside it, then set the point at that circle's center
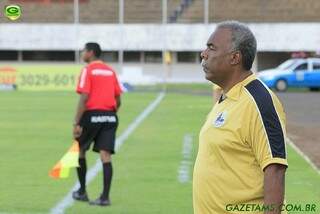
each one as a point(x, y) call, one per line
point(39, 77)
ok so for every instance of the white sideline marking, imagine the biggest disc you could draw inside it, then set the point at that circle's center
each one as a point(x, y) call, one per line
point(186, 163)
point(305, 157)
point(67, 201)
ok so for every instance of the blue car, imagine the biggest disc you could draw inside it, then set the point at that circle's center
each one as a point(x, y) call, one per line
point(293, 73)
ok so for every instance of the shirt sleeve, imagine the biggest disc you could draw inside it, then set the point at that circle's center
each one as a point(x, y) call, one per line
point(267, 134)
point(84, 83)
point(117, 88)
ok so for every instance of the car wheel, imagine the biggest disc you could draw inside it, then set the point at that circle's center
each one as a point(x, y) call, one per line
point(314, 89)
point(281, 85)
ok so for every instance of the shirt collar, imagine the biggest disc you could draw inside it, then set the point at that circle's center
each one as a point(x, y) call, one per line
point(234, 92)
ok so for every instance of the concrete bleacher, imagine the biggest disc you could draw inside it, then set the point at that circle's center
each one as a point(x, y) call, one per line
point(48, 11)
point(194, 13)
point(252, 11)
point(143, 11)
point(179, 11)
point(90, 11)
point(99, 11)
point(265, 10)
point(173, 6)
point(41, 11)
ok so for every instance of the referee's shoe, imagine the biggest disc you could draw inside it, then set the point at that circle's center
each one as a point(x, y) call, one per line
point(101, 201)
point(80, 196)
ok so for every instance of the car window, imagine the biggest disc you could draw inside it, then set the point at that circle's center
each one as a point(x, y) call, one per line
point(316, 66)
point(287, 64)
point(303, 66)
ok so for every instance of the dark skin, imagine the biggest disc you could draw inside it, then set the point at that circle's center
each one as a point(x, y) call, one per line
point(223, 66)
point(88, 57)
point(216, 94)
point(274, 186)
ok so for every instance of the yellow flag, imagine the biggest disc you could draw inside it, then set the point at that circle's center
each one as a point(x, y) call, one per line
point(69, 160)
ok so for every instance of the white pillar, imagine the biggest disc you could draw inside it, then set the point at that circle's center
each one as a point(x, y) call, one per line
point(20, 57)
point(206, 11)
point(76, 32)
point(164, 11)
point(164, 36)
point(121, 21)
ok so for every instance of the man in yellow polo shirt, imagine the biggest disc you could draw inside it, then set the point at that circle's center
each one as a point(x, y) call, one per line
point(241, 161)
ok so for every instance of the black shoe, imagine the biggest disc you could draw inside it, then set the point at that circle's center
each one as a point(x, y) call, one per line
point(100, 202)
point(79, 196)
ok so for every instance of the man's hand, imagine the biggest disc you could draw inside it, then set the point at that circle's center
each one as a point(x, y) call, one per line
point(77, 131)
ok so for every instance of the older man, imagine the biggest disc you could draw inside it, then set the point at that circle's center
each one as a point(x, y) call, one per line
point(241, 161)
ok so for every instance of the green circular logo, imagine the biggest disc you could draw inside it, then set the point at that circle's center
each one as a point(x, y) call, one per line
point(13, 12)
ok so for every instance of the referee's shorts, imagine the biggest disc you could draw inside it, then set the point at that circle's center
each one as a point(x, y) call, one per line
point(99, 127)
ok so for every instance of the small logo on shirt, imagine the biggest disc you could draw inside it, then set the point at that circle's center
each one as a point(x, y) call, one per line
point(220, 120)
point(101, 72)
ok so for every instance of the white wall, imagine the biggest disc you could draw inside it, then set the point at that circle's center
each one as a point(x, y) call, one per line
point(156, 73)
point(175, 37)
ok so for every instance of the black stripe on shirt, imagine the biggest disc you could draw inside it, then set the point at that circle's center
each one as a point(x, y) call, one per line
point(270, 118)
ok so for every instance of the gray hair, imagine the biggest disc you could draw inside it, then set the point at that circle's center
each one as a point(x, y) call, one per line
point(243, 40)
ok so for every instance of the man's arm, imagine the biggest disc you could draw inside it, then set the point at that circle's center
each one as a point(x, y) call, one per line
point(79, 112)
point(118, 100)
point(274, 186)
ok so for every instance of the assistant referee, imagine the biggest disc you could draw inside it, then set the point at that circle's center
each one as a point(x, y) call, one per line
point(242, 160)
point(96, 119)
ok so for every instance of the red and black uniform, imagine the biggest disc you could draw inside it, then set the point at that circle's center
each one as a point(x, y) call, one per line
point(100, 120)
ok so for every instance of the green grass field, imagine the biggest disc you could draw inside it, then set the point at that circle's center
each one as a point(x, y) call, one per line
point(35, 130)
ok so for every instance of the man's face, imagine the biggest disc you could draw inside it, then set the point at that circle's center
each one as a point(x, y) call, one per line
point(86, 55)
point(216, 58)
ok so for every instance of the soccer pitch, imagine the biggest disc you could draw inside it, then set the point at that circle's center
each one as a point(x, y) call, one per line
point(35, 130)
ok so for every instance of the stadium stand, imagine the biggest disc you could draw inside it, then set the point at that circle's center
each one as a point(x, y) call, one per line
point(174, 6)
point(284, 17)
point(99, 11)
point(61, 11)
point(179, 11)
point(143, 11)
point(42, 11)
point(265, 10)
point(192, 11)
point(91, 11)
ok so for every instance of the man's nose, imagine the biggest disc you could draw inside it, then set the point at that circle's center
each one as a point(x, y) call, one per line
point(204, 54)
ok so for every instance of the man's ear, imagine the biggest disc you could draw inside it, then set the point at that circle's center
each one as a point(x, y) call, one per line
point(235, 58)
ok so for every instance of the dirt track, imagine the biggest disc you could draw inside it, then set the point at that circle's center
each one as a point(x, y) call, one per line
point(303, 122)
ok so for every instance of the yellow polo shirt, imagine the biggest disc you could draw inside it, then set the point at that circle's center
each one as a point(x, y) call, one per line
point(243, 134)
